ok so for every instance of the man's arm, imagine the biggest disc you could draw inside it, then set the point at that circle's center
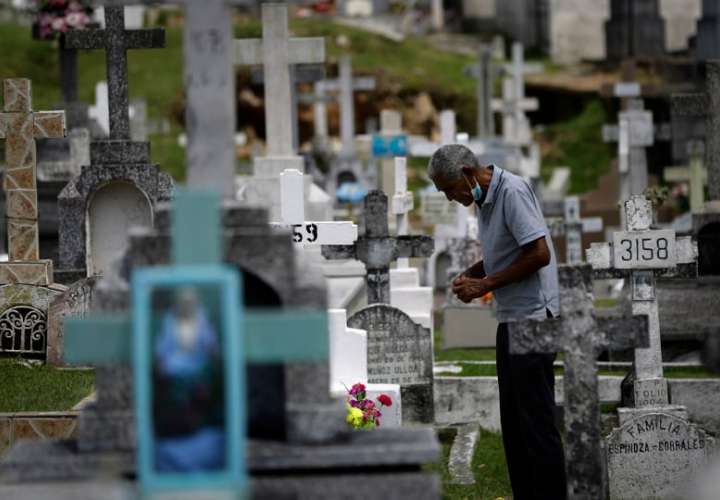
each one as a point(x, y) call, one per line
point(477, 270)
point(535, 255)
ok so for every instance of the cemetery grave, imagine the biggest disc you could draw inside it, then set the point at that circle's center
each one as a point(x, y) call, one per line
point(286, 301)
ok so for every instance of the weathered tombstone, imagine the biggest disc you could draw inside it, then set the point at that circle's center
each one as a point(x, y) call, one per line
point(572, 227)
point(27, 281)
point(399, 350)
point(635, 30)
point(642, 459)
point(706, 225)
point(277, 53)
point(120, 181)
point(582, 337)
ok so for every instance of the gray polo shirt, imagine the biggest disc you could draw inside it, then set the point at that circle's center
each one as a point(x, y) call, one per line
point(509, 218)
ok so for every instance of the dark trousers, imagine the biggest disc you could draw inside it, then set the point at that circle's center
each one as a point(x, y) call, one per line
point(533, 448)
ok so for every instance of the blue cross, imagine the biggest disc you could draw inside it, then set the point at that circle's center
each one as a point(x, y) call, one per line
point(265, 336)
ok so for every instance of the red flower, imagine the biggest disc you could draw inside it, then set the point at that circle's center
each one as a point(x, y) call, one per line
point(385, 400)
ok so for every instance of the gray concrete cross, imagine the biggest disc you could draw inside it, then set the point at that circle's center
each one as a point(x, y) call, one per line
point(706, 105)
point(641, 254)
point(210, 90)
point(346, 85)
point(572, 226)
point(634, 133)
point(582, 337)
point(377, 249)
point(116, 41)
point(485, 73)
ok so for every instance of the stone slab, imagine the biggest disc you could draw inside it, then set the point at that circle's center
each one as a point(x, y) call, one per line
point(468, 327)
point(461, 454)
point(75, 301)
point(650, 455)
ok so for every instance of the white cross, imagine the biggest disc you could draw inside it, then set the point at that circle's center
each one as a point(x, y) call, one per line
point(514, 104)
point(276, 52)
point(292, 213)
point(402, 203)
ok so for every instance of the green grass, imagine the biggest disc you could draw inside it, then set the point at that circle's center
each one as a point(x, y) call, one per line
point(489, 465)
point(41, 388)
point(578, 144)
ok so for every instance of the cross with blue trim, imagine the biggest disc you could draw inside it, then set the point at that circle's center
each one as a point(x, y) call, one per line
point(279, 336)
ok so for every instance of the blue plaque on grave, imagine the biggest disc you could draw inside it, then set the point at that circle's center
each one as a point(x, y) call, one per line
point(189, 378)
point(384, 146)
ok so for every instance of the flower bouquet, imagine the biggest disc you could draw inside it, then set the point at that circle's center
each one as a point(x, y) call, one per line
point(55, 17)
point(363, 413)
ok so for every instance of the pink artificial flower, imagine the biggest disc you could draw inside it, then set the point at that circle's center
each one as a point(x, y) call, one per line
point(76, 19)
point(58, 24)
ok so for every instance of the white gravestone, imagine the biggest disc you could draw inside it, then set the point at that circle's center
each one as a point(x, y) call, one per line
point(112, 211)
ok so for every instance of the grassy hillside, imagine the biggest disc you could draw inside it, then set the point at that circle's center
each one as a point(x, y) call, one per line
point(403, 69)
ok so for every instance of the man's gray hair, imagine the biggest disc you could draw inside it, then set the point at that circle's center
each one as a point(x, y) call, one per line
point(448, 161)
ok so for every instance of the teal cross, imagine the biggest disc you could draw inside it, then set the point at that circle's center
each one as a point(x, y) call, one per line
point(278, 336)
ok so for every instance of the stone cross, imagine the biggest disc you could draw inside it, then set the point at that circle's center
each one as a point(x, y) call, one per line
point(573, 226)
point(484, 72)
point(377, 249)
point(706, 105)
point(210, 87)
point(292, 213)
point(116, 41)
point(391, 135)
point(319, 99)
point(76, 112)
point(402, 203)
point(695, 174)
point(582, 336)
point(107, 340)
point(20, 126)
point(633, 134)
point(346, 85)
point(448, 127)
point(514, 104)
point(277, 52)
point(641, 253)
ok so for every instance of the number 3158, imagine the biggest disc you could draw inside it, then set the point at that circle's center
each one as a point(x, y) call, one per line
point(644, 249)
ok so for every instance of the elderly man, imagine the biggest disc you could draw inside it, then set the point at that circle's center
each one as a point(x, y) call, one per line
point(519, 267)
